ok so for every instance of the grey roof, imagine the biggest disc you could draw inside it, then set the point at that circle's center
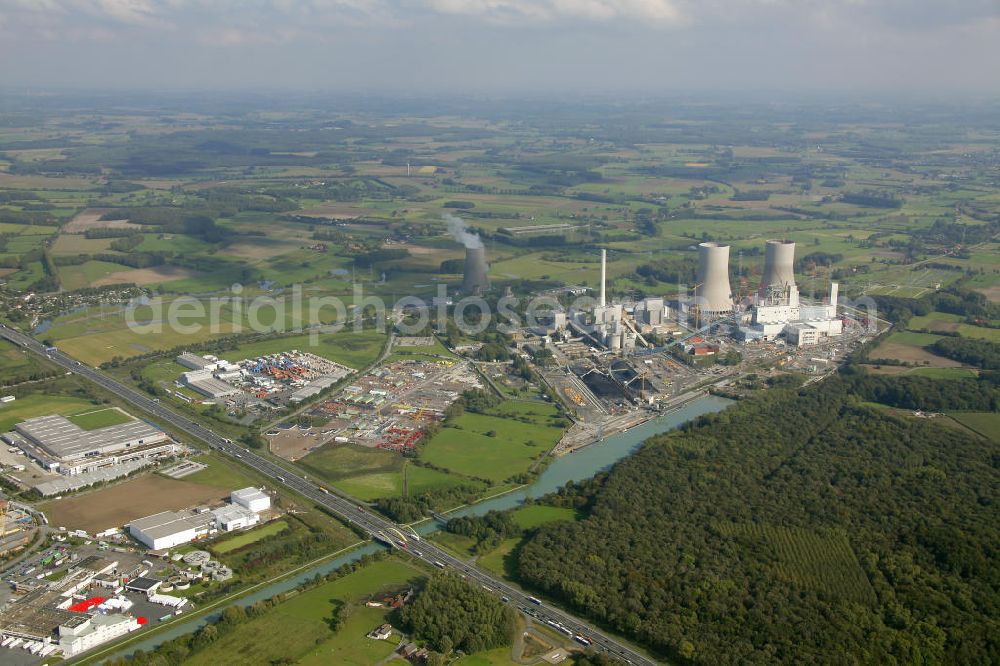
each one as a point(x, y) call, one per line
point(166, 523)
point(215, 388)
point(64, 439)
point(231, 512)
point(67, 483)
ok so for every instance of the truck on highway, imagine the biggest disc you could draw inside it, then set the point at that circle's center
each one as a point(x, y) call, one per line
point(440, 565)
point(535, 601)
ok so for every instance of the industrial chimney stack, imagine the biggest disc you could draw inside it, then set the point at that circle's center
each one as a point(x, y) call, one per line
point(475, 281)
point(779, 264)
point(713, 293)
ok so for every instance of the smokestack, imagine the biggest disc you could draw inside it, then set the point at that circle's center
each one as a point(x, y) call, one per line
point(475, 280)
point(604, 275)
point(779, 264)
point(713, 292)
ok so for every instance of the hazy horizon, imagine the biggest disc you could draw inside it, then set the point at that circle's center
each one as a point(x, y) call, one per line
point(504, 47)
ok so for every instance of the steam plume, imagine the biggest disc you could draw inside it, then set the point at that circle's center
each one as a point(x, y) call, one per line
point(461, 233)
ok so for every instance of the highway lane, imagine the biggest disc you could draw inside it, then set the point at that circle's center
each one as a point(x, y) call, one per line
point(376, 526)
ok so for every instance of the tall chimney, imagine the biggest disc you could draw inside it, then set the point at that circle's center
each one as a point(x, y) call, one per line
point(779, 264)
point(475, 280)
point(713, 293)
point(604, 275)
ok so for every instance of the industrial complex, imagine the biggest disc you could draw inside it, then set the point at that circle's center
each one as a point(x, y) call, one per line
point(169, 529)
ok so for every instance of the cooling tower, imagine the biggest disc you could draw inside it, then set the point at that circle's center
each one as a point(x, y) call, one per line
point(779, 261)
point(475, 281)
point(712, 293)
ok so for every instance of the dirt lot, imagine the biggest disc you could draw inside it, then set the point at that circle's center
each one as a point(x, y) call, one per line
point(143, 276)
point(912, 354)
point(91, 219)
point(113, 507)
point(295, 443)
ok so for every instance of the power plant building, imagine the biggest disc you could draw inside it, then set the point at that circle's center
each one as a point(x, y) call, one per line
point(778, 310)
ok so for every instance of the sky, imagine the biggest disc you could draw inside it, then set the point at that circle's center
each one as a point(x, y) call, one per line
point(504, 46)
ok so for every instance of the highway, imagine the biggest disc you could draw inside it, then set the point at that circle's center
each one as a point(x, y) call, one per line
point(376, 526)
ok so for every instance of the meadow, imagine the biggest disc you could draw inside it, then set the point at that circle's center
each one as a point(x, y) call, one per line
point(495, 446)
point(297, 630)
point(370, 474)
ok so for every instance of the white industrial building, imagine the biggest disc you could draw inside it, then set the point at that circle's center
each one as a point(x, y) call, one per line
point(234, 517)
point(59, 445)
point(82, 632)
point(251, 498)
point(169, 529)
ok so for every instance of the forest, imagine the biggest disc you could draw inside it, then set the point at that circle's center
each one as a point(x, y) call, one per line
point(800, 526)
point(980, 353)
point(450, 614)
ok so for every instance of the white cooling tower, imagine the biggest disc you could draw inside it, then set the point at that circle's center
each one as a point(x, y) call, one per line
point(713, 293)
point(779, 261)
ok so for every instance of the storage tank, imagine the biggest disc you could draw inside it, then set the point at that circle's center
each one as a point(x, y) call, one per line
point(713, 293)
point(779, 264)
point(475, 280)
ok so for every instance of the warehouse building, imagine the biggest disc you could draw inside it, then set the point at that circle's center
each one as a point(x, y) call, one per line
point(234, 517)
point(59, 445)
point(251, 498)
point(168, 529)
point(206, 383)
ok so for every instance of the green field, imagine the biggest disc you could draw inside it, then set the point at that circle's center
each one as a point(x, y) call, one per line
point(535, 515)
point(250, 536)
point(296, 631)
point(986, 424)
point(220, 473)
point(100, 419)
point(34, 405)
point(495, 447)
point(370, 474)
point(353, 349)
point(943, 373)
point(911, 339)
point(14, 362)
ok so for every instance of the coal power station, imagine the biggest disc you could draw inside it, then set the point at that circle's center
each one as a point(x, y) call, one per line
point(475, 280)
point(712, 294)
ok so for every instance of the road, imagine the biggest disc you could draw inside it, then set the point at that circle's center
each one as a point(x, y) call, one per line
point(376, 526)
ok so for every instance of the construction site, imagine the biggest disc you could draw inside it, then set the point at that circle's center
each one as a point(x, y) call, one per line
point(387, 408)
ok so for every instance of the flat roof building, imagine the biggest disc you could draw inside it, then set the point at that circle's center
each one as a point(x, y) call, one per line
point(60, 445)
point(171, 528)
point(251, 498)
point(234, 517)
